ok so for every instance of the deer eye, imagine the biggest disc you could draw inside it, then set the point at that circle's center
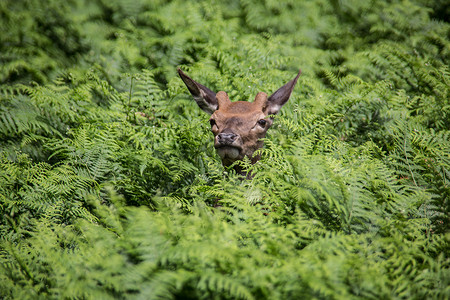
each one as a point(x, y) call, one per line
point(212, 122)
point(262, 123)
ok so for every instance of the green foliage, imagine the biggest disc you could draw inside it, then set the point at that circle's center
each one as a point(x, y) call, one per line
point(110, 186)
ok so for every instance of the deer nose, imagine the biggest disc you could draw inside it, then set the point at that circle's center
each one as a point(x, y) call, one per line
point(226, 138)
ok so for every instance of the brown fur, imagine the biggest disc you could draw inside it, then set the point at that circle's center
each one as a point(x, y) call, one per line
point(238, 127)
point(241, 118)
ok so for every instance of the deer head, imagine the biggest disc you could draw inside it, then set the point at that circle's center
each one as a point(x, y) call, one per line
point(239, 126)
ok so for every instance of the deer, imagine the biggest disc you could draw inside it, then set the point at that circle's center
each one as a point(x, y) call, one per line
point(239, 126)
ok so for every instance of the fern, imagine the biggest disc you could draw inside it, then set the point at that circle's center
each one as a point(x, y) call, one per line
point(110, 186)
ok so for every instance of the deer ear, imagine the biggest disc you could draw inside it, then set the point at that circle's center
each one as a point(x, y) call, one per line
point(281, 96)
point(205, 98)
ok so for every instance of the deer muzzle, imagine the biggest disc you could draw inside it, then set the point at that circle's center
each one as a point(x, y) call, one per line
point(228, 146)
point(226, 139)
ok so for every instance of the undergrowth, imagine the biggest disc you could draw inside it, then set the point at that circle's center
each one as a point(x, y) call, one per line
point(110, 186)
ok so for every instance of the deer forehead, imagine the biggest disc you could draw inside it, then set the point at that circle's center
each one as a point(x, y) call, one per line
point(239, 113)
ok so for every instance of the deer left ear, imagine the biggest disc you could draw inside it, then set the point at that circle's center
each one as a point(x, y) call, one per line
point(281, 96)
point(205, 98)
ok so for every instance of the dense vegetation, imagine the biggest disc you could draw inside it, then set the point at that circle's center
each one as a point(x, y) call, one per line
point(110, 186)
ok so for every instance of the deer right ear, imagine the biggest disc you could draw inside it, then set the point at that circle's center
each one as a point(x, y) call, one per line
point(281, 96)
point(205, 98)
